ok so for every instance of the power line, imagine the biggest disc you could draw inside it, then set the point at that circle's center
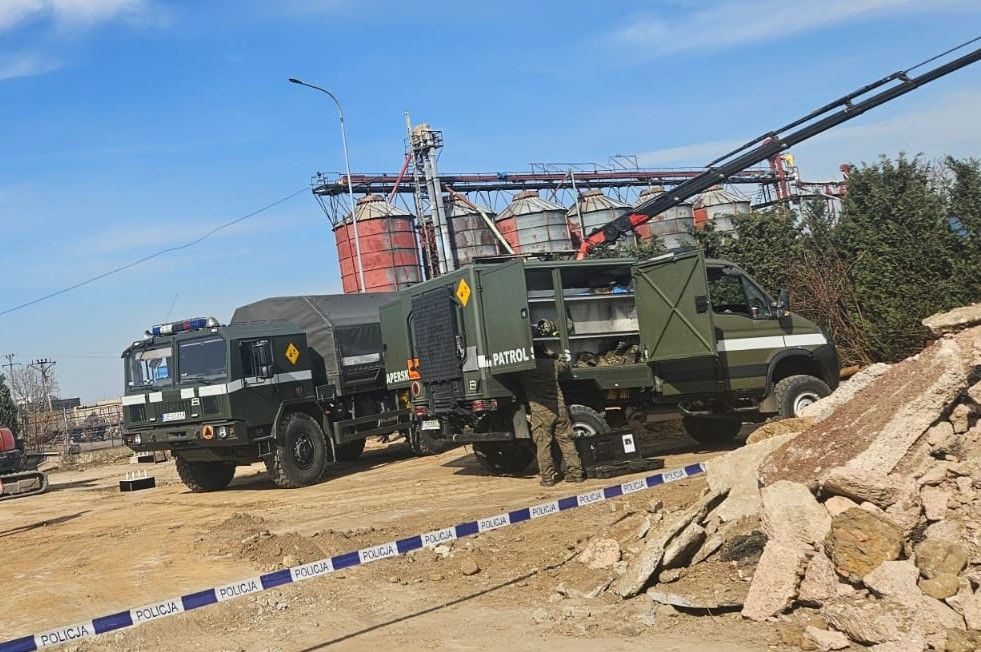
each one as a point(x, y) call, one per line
point(156, 254)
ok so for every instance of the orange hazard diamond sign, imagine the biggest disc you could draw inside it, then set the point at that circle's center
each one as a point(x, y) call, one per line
point(292, 353)
point(463, 291)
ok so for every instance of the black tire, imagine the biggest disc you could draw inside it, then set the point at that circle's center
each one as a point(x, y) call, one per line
point(200, 477)
point(795, 392)
point(587, 422)
point(350, 451)
point(713, 430)
point(505, 457)
point(300, 459)
point(424, 444)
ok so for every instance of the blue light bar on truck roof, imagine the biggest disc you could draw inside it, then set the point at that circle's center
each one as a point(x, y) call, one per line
point(185, 325)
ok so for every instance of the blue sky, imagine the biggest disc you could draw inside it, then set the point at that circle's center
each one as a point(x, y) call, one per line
point(127, 126)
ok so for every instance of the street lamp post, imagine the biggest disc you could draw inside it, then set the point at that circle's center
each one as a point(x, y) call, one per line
point(347, 167)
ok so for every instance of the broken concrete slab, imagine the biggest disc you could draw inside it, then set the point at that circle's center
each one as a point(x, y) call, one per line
point(641, 570)
point(896, 580)
point(680, 551)
point(690, 602)
point(791, 514)
point(600, 552)
point(868, 621)
point(822, 409)
point(941, 586)
point(935, 501)
point(826, 639)
point(736, 472)
point(775, 582)
point(954, 320)
point(936, 556)
point(862, 485)
point(820, 583)
point(838, 504)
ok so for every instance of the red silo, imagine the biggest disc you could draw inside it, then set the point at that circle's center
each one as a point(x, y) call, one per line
point(388, 247)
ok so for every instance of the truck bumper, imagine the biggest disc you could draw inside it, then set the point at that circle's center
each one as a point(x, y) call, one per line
point(189, 440)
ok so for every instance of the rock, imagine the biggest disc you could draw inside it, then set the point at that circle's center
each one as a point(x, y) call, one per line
point(774, 584)
point(822, 409)
point(859, 541)
point(600, 553)
point(644, 527)
point(943, 530)
point(936, 618)
point(861, 485)
point(941, 586)
point(954, 320)
point(936, 474)
point(959, 419)
point(896, 580)
point(469, 567)
point(868, 621)
point(965, 485)
point(911, 641)
point(972, 611)
point(582, 587)
point(937, 556)
point(905, 512)
point(959, 599)
point(640, 571)
point(690, 602)
point(974, 392)
point(826, 639)
point(736, 472)
point(820, 583)
point(443, 551)
point(655, 505)
point(711, 545)
point(539, 615)
point(684, 546)
point(961, 641)
point(838, 504)
point(791, 514)
point(671, 575)
point(934, 502)
point(940, 435)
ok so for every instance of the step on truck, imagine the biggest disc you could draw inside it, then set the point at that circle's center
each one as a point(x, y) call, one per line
point(296, 382)
point(644, 340)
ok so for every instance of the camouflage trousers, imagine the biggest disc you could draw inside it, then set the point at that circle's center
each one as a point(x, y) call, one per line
point(551, 423)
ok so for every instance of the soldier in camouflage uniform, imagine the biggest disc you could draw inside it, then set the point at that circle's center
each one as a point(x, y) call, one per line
point(550, 418)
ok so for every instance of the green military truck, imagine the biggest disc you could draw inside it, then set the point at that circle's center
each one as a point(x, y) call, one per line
point(644, 338)
point(297, 382)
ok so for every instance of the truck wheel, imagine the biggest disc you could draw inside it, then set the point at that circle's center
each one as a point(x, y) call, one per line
point(350, 451)
point(300, 459)
point(204, 476)
point(587, 422)
point(712, 431)
point(424, 444)
point(794, 393)
point(505, 457)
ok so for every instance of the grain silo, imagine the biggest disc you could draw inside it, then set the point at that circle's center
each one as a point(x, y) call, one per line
point(388, 247)
point(593, 210)
point(531, 224)
point(673, 226)
point(472, 236)
point(719, 206)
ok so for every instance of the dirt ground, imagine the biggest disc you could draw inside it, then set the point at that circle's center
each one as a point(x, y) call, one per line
point(85, 550)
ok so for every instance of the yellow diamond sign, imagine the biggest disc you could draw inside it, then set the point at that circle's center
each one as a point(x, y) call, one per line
point(292, 353)
point(463, 291)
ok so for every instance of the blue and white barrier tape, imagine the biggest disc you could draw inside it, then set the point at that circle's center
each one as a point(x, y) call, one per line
point(173, 606)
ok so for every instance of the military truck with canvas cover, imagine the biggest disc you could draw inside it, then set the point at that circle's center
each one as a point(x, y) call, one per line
point(644, 338)
point(297, 382)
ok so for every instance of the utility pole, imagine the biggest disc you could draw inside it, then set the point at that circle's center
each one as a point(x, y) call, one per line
point(10, 369)
point(44, 366)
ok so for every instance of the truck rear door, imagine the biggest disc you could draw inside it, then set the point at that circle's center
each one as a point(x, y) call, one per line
point(676, 331)
point(506, 345)
point(395, 344)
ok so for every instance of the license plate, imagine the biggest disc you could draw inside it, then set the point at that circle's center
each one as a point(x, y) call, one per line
point(173, 416)
point(430, 424)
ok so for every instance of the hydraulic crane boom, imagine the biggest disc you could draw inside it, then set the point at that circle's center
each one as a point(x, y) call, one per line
point(769, 144)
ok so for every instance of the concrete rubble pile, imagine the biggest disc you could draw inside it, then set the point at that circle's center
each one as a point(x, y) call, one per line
point(857, 524)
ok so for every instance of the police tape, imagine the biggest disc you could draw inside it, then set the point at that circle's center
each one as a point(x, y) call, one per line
point(173, 606)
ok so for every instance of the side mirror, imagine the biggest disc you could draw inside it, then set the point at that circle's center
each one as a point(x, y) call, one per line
point(782, 304)
point(263, 358)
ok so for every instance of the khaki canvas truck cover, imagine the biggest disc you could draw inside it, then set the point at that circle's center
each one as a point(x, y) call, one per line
point(343, 329)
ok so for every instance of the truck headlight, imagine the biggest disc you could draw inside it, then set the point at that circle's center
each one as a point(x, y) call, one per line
point(137, 439)
point(222, 432)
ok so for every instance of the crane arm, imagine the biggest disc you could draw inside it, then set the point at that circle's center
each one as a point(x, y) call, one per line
point(762, 148)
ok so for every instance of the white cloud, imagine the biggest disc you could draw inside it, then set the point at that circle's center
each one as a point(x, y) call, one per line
point(687, 155)
point(25, 65)
point(733, 22)
point(71, 13)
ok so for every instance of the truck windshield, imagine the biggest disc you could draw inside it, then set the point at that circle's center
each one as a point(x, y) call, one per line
point(151, 367)
point(202, 360)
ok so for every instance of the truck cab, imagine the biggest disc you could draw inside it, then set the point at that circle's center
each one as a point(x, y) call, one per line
point(644, 339)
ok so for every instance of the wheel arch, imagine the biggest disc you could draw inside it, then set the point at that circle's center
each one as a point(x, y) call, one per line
point(312, 410)
point(789, 362)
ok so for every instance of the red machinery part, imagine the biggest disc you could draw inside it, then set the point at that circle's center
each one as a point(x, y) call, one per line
point(7, 442)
